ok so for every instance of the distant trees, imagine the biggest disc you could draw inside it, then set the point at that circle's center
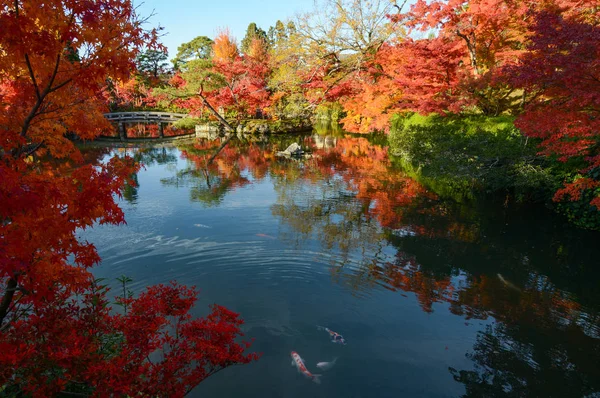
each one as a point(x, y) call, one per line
point(253, 33)
point(277, 34)
point(152, 63)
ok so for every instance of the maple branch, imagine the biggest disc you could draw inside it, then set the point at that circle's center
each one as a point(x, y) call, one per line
point(471, 47)
point(34, 149)
point(401, 7)
point(35, 85)
point(61, 85)
point(73, 394)
point(212, 372)
point(33, 113)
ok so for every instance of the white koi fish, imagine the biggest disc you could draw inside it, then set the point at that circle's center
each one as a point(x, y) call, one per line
point(299, 364)
point(201, 226)
point(326, 365)
point(335, 337)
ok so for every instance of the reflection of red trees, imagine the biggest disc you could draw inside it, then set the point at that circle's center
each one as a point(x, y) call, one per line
point(232, 161)
point(151, 130)
point(406, 275)
point(366, 169)
point(223, 167)
point(484, 296)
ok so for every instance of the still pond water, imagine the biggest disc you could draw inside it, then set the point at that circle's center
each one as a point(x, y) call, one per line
point(434, 298)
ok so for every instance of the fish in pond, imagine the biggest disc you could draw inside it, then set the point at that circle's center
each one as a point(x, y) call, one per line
point(326, 365)
point(299, 364)
point(201, 226)
point(507, 283)
point(335, 337)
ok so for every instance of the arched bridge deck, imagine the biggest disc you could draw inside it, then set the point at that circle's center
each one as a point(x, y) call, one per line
point(122, 118)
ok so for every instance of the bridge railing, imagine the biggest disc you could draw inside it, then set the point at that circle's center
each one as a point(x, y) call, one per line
point(131, 116)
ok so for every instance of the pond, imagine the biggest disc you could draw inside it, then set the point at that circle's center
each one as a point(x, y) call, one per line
point(434, 298)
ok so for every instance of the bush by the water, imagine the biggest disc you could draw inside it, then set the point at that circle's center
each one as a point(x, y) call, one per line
point(457, 156)
point(189, 122)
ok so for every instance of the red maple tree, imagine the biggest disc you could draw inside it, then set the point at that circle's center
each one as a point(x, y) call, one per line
point(563, 67)
point(57, 56)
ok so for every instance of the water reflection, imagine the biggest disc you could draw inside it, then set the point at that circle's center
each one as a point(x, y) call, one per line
point(531, 278)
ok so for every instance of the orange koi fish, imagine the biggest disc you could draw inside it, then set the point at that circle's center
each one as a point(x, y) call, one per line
point(299, 364)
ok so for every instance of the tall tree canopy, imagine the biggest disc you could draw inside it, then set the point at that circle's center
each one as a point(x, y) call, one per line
point(198, 48)
point(252, 32)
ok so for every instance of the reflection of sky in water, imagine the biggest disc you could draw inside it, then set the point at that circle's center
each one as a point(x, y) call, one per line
point(251, 252)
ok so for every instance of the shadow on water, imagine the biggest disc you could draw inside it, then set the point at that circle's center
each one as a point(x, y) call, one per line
point(533, 278)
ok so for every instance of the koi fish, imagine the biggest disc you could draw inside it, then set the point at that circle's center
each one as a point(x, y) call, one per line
point(507, 283)
point(201, 226)
point(299, 364)
point(326, 365)
point(335, 337)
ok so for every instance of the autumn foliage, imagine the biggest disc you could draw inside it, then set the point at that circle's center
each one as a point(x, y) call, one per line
point(563, 67)
point(57, 329)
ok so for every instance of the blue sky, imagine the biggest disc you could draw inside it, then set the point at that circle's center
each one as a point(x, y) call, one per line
point(185, 19)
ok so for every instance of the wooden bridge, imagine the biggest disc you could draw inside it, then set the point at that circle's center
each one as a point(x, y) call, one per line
point(142, 117)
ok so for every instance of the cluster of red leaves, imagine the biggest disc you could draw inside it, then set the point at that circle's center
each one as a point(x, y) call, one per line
point(563, 66)
point(154, 348)
point(444, 73)
point(412, 75)
point(42, 208)
point(326, 82)
point(244, 90)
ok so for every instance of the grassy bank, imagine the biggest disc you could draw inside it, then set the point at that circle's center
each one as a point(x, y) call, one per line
point(462, 156)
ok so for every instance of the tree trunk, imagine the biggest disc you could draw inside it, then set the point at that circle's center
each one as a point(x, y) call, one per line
point(11, 288)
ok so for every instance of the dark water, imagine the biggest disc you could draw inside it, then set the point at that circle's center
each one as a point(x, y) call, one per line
point(435, 298)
